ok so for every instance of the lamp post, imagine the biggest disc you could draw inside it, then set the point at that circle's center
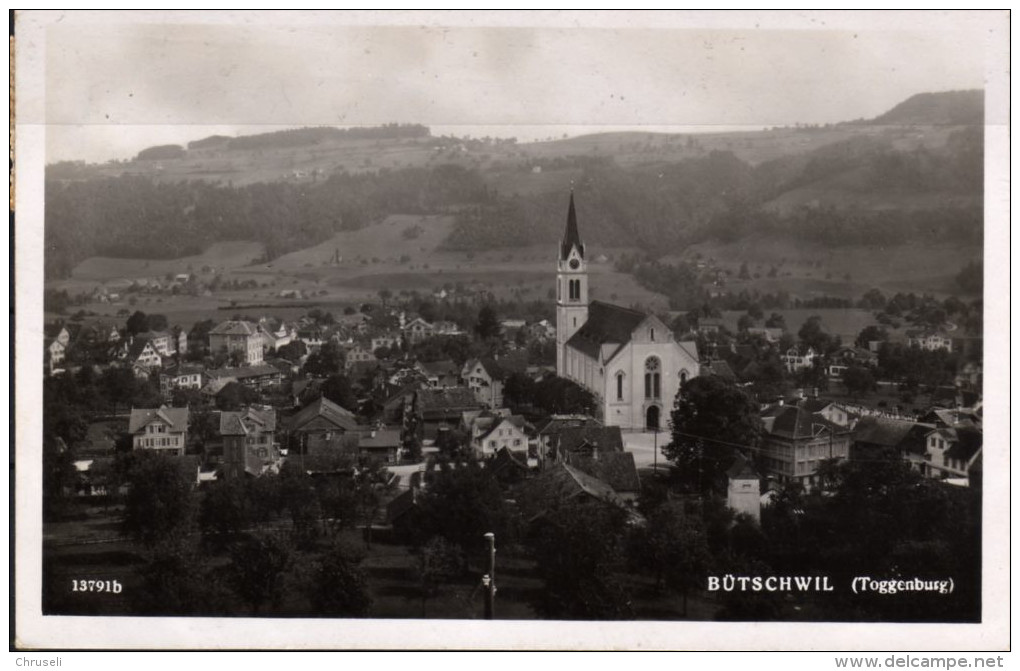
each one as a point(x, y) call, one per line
point(489, 580)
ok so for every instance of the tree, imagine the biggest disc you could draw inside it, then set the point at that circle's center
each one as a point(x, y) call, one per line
point(234, 395)
point(328, 360)
point(579, 549)
point(160, 503)
point(870, 334)
point(675, 547)
point(463, 504)
point(137, 323)
point(176, 581)
point(338, 586)
point(438, 563)
point(256, 569)
point(744, 273)
point(338, 389)
point(813, 335)
point(775, 321)
point(858, 380)
point(710, 417)
point(487, 327)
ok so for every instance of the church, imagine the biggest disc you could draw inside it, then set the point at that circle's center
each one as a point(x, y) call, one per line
point(628, 359)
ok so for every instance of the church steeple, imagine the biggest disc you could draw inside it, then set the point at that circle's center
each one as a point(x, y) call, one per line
point(571, 289)
point(571, 238)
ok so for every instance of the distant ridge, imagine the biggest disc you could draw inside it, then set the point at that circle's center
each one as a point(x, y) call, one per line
point(946, 108)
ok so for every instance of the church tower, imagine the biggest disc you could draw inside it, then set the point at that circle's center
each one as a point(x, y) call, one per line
point(571, 288)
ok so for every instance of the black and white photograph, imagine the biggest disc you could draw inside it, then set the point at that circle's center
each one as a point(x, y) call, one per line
point(630, 330)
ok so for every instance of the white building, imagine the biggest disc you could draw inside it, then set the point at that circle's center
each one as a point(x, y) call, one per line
point(628, 359)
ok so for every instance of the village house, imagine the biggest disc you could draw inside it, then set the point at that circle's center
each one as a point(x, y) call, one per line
point(387, 340)
point(184, 376)
point(237, 336)
point(380, 443)
point(276, 334)
point(951, 453)
point(356, 356)
point(875, 437)
point(249, 442)
point(441, 409)
point(440, 374)
point(142, 357)
point(797, 359)
point(163, 429)
point(795, 441)
point(548, 433)
point(319, 422)
point(930, 340)
point(490, 432)
point(417, 331)
point(485, 378)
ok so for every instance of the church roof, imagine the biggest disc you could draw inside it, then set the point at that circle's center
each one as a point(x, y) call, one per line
point(571, 238)
point(607, 324)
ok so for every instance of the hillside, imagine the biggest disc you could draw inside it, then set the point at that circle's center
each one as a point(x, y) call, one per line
point(913, 171)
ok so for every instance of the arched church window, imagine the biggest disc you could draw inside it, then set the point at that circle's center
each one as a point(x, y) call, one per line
point(653, 377)
point(651, 334)
point(683, 376)
point(619, 386)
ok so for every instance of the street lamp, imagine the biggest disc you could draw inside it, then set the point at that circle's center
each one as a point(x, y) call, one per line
point(489, 580)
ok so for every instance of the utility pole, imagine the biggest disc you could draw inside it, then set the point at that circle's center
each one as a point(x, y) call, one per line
point(489, 580)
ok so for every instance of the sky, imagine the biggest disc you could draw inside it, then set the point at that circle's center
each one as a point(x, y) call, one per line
point(117, 83)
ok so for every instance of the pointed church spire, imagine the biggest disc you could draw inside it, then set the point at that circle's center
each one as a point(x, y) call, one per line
point(571, 238)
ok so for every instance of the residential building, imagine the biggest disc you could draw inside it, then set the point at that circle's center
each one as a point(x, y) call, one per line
point(930, 340)
point(951, 452)
point(485, 378)
point(798, 358)
point(163, 429)
point(143, 357)
point(319, 422)
point(418, 330)
point(491, 432)
point(795, 441)
point(249, 441)
point(184, 376)
point(237, 336)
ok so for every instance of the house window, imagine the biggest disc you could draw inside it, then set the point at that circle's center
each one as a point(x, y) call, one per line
point(492, 443)
point(653, 378)
point(619, 386)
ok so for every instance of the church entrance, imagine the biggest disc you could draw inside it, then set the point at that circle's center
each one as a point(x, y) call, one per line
point(652, 418)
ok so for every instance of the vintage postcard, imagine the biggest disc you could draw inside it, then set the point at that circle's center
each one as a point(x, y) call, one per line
point(511, 330)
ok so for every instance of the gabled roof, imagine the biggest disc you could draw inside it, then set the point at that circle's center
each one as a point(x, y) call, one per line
point(328, 410)
point(968, 443)
point(382, 438)
point(243, 422)
point(607, 325)
point(894, 433)
point(138, 346)
point(616, 469)
point(231, 327)
point(176, 418)
point(491, 366)
point(719, 368)
point(558, 423)
point(604, 439)
point(516, 421)
point(571, 238)
point(793, 422)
